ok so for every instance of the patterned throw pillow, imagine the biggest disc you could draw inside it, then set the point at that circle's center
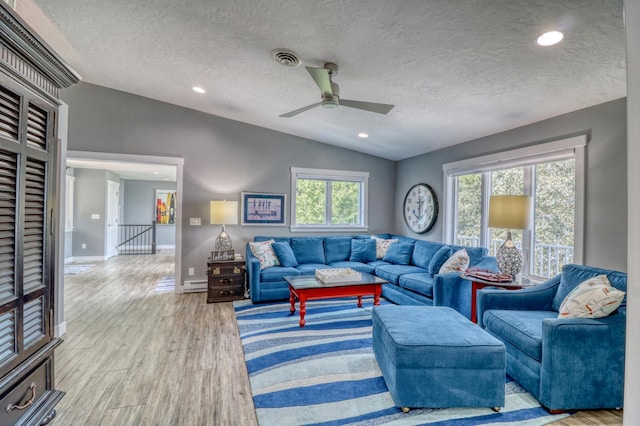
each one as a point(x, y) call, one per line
point(593, 298)
point(459, 261)
point(382, 246)
point(265, 254)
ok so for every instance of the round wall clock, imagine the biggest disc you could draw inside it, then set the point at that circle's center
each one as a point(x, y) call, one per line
point(420, 208)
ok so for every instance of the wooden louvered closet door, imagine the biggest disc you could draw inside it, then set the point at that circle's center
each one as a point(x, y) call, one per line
point(27, 160)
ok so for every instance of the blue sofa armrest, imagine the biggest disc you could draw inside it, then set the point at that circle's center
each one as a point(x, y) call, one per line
point(453, 291)
point(253, 273)
point(587, 354)
point(537, 298)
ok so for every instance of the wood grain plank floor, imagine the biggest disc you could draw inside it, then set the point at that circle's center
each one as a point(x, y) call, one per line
point(132, 356)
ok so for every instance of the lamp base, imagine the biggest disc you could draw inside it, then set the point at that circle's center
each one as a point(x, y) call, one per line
point(509, 257)
point(223, 242)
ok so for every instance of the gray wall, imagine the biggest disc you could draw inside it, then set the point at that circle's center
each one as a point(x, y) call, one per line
point(90, 198)
point(221, 158)
point(606, 175)
point(138, 207)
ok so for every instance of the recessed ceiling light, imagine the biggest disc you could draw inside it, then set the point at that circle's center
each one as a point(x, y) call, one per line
point(363, 135)
point(198, 89)
point(156, 173)
point(550, 38)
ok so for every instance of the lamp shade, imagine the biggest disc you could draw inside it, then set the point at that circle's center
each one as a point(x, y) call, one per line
point(223, 212)
point(509, 211)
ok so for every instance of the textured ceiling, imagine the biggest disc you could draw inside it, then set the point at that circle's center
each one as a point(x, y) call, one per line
point(455, 69)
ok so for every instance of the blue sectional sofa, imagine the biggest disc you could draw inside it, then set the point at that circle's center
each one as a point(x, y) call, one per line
point(411, 268)
point(566, 363)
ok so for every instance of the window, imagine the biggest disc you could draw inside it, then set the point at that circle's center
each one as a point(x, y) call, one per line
point(68, 214)
point(328, 199)
point(551, 173)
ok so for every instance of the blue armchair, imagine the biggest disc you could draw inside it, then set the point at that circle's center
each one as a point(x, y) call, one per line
point(564, 363)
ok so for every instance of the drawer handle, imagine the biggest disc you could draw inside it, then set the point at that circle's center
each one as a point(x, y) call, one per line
point(216, 271)
point(27, 404)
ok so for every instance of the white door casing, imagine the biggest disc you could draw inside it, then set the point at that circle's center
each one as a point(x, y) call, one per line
point(113, 205)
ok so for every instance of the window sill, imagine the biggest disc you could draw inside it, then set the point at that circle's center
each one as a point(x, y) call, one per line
point(329, 229)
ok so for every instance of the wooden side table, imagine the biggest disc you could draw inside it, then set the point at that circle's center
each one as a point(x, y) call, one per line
point(478, 283)
point(226, 280)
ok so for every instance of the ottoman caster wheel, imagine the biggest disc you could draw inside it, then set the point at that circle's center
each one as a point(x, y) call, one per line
point(496, 409)
point(405, 409)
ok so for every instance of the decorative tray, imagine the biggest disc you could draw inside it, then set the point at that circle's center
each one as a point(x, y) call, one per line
point(486, 275)
point(335, 275)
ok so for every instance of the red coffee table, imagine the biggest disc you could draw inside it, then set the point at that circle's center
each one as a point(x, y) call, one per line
point(305, 287)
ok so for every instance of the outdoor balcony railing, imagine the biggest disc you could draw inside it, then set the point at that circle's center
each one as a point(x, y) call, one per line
point(548, 259)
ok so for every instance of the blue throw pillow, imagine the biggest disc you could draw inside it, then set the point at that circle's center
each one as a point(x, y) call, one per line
point(285, 254)
point(363, 250)
point(399, 254)
point(308, 249)
point(438, 259)
point(337, 249)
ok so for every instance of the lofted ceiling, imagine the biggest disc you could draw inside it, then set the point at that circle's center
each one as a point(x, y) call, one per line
point(455, 70)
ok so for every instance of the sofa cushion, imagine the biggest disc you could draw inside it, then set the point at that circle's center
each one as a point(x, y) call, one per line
point(356, 266)
point(264, 253)
point(382, 245)
point(438, 259)
point(284, 253)
point(399, 254)
point(392, 272)
point(521, 329)
point(573, 275)
point(308, 249)
point(275, 273)
point(423, 252)
point(261, 238)
point(459, 261)
point(310, 268)
point(476, 254)
point(593, 298)
point(337, 248)
point(420, 283)
point(363, 250)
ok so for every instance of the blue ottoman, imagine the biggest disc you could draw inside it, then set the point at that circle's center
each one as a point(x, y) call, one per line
point(432, 356)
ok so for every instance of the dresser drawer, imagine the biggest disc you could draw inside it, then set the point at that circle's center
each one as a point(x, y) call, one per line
point(230, 269)
point(25, 398)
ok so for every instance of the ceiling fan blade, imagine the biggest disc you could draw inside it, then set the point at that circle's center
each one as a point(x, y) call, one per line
point(321, 77)
point(367, 106)
point(298, 111)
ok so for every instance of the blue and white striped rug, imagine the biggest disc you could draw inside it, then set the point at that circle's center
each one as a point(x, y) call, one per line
point(326, 373)
point(77, 268)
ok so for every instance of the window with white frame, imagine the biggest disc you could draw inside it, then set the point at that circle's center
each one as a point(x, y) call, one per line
point(68, 213)
point(551, 173)
point(328, 199)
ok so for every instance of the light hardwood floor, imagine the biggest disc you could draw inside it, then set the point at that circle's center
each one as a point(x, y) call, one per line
point(132, 356)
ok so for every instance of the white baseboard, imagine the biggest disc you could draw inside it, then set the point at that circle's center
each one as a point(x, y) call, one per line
point(194, 286)
point(166, 247)
point(85, 259)
point(60, 329)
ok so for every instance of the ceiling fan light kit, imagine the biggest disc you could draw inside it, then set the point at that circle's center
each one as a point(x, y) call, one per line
point(330, 93)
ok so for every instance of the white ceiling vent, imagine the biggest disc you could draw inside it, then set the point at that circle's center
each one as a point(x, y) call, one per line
point(285, 57)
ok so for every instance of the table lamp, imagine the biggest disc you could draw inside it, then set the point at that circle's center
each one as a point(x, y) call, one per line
point(509, 212)
point(223, 213)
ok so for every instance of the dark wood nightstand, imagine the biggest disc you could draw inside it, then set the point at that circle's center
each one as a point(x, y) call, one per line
point(226, 280)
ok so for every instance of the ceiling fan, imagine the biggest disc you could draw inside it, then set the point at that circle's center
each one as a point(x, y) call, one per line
point(330, 93)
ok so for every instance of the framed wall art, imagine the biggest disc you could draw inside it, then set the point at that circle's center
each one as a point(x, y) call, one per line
point(263, 209)
point(165, 206)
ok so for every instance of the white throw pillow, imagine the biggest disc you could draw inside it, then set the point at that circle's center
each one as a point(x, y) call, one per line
point(593, 298)
point(459, 261)
point(382, 246)
point(265, 254)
